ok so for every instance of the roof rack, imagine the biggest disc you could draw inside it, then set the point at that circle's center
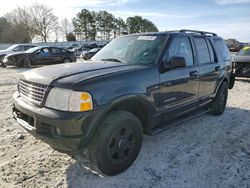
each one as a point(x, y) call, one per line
point(195, 31)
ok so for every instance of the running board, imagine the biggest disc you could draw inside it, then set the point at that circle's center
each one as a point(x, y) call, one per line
point(173, 123)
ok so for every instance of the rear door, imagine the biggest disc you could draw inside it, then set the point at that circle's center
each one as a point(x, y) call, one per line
point(179, 87)
point(209, 68)
point(56, 55)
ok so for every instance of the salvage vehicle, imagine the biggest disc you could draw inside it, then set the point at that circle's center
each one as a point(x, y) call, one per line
point(13, 49)
point(242, 62)
point(86, 55)
point(137, 84)
point(39, 56)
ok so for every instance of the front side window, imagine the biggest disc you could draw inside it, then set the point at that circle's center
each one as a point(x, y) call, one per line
point(181, 47)
point(202, 50)
point(135, 49)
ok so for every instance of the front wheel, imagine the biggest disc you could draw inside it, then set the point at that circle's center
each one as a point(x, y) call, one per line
point(117, 144)
point(218, 105)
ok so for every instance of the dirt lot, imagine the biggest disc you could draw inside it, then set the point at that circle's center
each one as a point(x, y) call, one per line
point(205, 152)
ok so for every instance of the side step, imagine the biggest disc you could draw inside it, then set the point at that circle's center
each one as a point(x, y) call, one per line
point(173, 123)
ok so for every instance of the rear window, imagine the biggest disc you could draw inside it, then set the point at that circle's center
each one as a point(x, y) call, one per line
point(223, 49)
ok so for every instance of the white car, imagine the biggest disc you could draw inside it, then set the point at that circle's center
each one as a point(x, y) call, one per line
point(13, 49)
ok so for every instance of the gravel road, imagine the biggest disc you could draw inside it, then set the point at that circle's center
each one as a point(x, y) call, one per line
point(205, 152)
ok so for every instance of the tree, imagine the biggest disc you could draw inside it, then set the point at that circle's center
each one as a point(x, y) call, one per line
point(12, 33)
point(20, 18)
point(71, 37)
point(66, 27)
point(105, 24)
point(137, 24)
point(119, 27)
point(84, 24)
point(44, 22)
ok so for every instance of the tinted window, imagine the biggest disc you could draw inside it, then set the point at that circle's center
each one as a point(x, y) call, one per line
point(202, 50)
point(223, 49)
point(211, 52)
point(27, 47)
point(181, 47)
point(19, 48)
point(56, 50)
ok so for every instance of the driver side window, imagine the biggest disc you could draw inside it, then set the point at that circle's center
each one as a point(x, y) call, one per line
point(181, 47)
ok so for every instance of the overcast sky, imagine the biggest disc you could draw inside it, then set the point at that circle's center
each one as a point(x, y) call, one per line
point(228, 18)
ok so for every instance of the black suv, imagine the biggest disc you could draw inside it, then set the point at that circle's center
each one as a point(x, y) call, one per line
point(140, 83)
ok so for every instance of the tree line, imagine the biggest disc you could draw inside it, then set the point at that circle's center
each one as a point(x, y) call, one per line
point(38, 22)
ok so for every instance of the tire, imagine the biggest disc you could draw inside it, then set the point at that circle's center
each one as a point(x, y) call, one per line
point(218, 105)
point(26, 63)
point(3, 65)
point(67, 60)
point(117, 144)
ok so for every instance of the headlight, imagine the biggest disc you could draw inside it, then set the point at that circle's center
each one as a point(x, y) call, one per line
point(68, 100)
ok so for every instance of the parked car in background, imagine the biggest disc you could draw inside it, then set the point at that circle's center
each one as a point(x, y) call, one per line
point(14, 48)
point(242, 62)
point(39, 56)
point(78, 51)
point(72, 46)
point(88, 54)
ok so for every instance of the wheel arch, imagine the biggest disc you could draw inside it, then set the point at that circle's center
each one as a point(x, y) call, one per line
point(137, 105)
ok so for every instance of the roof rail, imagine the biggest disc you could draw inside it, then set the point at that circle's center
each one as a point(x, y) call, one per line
point(195, 31)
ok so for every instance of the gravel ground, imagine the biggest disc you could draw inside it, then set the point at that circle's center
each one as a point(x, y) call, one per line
point(205, 152)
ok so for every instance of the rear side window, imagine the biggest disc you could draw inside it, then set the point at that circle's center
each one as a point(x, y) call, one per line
point(56, 50)
point(211, 52)
point(223, 49)
point(202, 50)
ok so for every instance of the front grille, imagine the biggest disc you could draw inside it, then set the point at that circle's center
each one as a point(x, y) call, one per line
point(32, 92)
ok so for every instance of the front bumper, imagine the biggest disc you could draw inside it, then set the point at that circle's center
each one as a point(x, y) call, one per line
point(8, 62)
point(64, 131)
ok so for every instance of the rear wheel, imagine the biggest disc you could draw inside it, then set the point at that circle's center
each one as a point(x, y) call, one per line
point(217, 107)
point(66, 60)
point(117, 144)
point(26, 63)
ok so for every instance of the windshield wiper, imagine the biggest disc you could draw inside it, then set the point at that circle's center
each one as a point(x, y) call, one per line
point(112, 59)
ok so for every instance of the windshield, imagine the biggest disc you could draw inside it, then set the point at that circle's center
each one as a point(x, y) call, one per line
point(244, 52)
point(31, 50)
point(11, 47)
point(132, 49)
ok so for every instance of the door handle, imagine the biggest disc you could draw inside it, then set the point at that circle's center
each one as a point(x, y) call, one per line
point(217, 68)
point(193, 74)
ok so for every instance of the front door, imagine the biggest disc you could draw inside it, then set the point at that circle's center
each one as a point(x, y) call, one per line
point(179, 87)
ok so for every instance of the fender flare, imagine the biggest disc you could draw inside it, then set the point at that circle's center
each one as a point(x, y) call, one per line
point(96, 123)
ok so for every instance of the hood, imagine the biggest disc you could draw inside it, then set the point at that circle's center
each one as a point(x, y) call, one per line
point(73, 73)
point(243, 59)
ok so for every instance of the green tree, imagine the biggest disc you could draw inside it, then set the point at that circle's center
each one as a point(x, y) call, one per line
point(137, 24)
point(105, 24)
point(119, 27)
point(71, 37)
point(84, 24)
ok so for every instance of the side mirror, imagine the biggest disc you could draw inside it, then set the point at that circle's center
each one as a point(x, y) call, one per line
point(175, 62)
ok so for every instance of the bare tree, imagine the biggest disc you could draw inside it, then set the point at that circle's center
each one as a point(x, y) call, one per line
point(66, 27)
point(20, 17)
point(44, 21)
